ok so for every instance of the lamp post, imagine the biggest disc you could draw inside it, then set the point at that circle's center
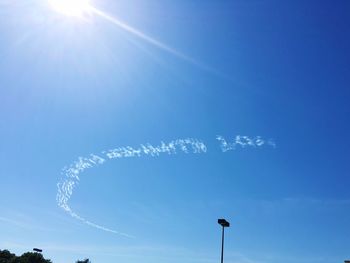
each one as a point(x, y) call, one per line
point(224, 224)
point(38, 250)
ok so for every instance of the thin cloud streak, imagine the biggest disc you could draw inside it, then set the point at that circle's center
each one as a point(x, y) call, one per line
point(243, 142)
point(71, 174)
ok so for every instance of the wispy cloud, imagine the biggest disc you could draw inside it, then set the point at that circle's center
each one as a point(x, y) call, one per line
point(71, 174)
point(243, 141)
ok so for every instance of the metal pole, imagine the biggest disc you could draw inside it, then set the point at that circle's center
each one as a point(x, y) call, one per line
point(222, 244)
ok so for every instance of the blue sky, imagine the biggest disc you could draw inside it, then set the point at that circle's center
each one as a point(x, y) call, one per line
point(71, 87)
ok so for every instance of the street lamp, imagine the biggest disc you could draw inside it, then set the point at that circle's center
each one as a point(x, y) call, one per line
point(224, 224)
point(38, 250)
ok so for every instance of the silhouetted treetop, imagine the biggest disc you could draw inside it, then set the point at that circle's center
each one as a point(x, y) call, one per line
point(29, 257)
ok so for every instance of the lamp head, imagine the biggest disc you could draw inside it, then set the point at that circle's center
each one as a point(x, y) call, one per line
point(223, 222)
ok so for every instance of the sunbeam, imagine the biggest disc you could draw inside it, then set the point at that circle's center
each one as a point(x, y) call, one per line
point(81, 8)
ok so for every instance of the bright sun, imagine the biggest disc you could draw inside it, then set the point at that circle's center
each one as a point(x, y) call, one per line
point(77, 8)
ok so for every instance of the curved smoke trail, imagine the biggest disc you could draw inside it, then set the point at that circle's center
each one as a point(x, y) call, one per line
point(190, 145)
point(71, 174)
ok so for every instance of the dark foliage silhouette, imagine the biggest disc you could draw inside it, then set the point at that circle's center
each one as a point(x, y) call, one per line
point(6, 256)
point(29, 257)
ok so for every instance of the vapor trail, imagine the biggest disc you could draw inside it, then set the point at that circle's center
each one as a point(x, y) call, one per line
point(71, 174)
point(243, 142)
point(153, 41)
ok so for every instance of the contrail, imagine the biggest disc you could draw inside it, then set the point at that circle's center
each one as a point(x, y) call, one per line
point(71, 174)
point(243, 142)
point(153, 41)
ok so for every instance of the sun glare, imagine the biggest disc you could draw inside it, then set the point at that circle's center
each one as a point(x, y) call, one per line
point(76, 8)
